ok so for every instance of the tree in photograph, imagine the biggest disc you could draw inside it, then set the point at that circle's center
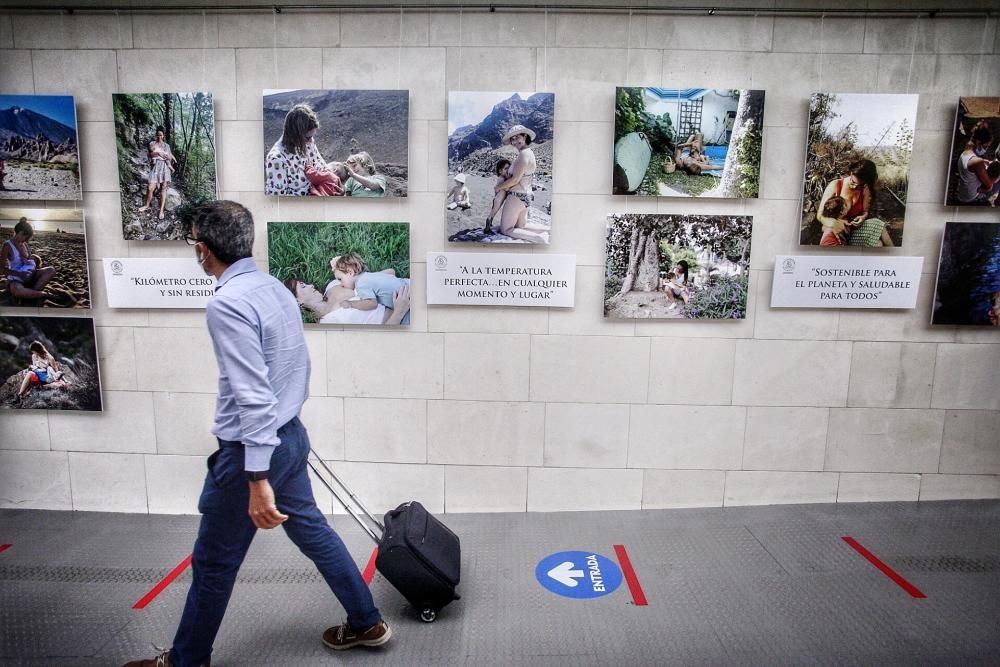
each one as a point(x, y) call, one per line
point(741, 173)
point(188, 123)
point(629, 109)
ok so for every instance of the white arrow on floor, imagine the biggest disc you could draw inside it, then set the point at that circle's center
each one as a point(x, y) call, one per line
point(565, 574)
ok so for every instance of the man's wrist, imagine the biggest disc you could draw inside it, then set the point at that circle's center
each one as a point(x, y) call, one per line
point(256, 475)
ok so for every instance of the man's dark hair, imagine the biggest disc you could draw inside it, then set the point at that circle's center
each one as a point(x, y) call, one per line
point(159, 128)
point(226, 228)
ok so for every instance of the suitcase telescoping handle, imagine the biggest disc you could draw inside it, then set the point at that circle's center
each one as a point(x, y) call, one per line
point(347, 506)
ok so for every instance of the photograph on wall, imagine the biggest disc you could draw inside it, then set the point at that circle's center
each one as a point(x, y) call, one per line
point(974, 166)
point(677, 266)
point(688, 142)
point(344, 272)
point(858, 151)
point(39, 148)
point(49, 363)
point(336, 143)
point(43, 258)
point(166, 160)
point(500, 167)
point(968, 280)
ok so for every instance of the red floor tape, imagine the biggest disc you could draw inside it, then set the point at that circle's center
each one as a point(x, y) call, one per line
point(370, 568)
point(638, 597)
point(167, 580)
point(4, 547)
point(886, 570)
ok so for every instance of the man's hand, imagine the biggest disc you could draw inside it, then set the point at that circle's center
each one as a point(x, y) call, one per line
point(262, 510)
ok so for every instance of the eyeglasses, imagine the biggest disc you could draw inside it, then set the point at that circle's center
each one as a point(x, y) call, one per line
point(191, 240)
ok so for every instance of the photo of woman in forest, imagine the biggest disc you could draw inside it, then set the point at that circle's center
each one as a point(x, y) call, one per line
point(677, 267)
point(160, 158)
point(166, 160)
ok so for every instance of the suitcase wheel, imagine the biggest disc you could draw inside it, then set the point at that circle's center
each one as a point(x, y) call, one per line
point(428, 615)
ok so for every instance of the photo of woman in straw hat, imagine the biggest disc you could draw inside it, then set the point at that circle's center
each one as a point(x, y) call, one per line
point(499, 159)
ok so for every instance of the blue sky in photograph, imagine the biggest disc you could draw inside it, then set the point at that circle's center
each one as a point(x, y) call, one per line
point(56, 107)
point(470, 108)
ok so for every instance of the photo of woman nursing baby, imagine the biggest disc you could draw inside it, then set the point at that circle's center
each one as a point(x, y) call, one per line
point(857, 169)
point(500, 167)
point(166, 160)
point(349, 273)
point(336, 143)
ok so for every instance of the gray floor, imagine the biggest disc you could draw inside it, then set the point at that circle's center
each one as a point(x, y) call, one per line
point(738, 586)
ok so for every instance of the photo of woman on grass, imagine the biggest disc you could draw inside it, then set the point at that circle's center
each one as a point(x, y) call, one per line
point(348, 273)
point(690, 142)
point(857, 169)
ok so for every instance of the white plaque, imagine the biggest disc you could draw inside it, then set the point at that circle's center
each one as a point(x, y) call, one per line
point(500, 279)
point(134, 282)
point(857, 281)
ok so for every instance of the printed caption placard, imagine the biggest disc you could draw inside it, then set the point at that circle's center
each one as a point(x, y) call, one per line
point(500, 279)
point(156, 283)
point(813, 281)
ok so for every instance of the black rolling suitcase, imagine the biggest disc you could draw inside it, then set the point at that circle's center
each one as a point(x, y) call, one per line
point(417, 554)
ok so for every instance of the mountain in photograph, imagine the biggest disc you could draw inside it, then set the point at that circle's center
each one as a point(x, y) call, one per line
point(17, 121)
point(375, 121)
point(536, 112)
point(29, 135)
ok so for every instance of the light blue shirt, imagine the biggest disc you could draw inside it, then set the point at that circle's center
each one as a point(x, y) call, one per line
point(257, 333)
point(378, 285)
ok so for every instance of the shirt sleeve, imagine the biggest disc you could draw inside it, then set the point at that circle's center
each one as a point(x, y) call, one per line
point(238, 349)
point(365, 288)
point(276, 174)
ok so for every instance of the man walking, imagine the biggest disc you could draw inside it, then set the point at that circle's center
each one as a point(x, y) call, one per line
point(258, 477)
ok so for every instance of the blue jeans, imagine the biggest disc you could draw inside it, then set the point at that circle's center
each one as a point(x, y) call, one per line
point(226, 531)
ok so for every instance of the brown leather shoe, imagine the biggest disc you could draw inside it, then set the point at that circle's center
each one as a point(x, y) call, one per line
point(341, 637)
point(162, 660)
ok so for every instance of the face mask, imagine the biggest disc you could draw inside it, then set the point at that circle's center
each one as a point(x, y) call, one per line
point(980, 152)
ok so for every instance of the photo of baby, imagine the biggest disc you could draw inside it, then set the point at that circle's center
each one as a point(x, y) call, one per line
point(347, 273)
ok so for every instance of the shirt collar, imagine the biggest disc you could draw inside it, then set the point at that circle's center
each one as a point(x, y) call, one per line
point(239, 267)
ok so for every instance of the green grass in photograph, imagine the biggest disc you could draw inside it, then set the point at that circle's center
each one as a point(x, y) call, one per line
point(685, 182)
point(303, 250)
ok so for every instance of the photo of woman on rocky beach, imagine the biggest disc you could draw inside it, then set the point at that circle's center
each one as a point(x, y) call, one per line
point(166, 160)
point(49, 363)
point(500, 167)
point(39, 148)
point(43, 258)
